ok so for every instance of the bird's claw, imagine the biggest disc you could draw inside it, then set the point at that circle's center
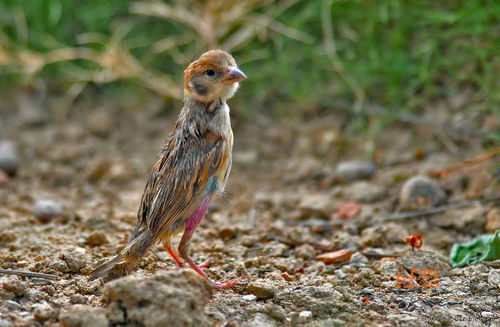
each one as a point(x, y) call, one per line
point(228, 283)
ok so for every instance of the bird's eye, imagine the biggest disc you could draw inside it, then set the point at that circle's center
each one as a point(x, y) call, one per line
point(210, 72)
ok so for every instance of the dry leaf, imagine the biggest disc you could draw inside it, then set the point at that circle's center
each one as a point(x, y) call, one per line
point(347, 210)
point(335, 257)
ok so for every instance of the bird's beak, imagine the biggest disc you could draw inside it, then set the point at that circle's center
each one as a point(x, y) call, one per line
point(234, 76)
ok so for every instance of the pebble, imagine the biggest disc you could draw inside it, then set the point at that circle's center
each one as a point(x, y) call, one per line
point(305, 314)
point(349, 171)
point(261, 290)
point(426, 260)
point(260, 320)
point(60, 265)
point(12, 305)
point(365, 192)
point(494, 278)
point(16, 286)
point(305, 251)
point(249, 297)
point(492, 220)
point(97, 238)
point(420, 192)
point(167, 298)
point(46, 210)
point(9, 158)
point(381, 235)
point(315, 204)
point(43, 311)
point(7, 237)
point(5, 323)
point(358, 260)
point(4, 179)
point(84, 316)
point(275, 311)
point(74, 264)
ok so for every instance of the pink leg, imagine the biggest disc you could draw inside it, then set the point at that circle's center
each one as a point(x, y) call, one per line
point(191, 224)
point(178, 260)
point(175, 256)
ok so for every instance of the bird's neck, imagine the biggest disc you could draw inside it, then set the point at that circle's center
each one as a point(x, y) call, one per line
point(201, 116)
point(192, 104)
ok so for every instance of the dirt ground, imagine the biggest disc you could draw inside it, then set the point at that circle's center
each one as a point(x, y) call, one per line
point(79, 181)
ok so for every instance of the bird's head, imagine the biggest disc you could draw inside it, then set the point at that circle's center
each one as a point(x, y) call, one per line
point(214, 76)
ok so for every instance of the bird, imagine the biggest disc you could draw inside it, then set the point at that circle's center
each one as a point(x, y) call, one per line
point(192, 168)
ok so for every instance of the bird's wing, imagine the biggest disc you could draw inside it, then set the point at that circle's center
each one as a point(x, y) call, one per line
point(181, 178)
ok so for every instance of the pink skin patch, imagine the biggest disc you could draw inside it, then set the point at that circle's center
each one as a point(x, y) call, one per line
point(194, 220)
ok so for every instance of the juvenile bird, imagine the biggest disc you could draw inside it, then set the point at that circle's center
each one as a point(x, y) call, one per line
point(192, 168)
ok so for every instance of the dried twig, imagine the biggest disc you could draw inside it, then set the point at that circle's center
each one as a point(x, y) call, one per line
point(410, 214)
point(451, 206)
point(27, 274)
point(467, 163)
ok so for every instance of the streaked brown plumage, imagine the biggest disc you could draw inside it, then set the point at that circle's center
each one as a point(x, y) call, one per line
point(193, 166)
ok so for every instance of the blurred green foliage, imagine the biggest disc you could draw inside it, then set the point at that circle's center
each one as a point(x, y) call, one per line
point(392, 54)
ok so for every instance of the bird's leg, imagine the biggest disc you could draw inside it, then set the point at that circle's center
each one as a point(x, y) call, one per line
point(173, 254)
point(177, 259)
point(191, 223)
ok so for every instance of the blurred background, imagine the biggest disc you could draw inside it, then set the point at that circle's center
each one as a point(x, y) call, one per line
point(353, 111)
point(381, 59)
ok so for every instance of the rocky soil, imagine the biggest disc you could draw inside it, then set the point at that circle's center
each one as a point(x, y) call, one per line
point(70, 188)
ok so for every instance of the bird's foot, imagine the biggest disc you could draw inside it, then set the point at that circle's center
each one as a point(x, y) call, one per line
point(205, 264)
point(227, 283)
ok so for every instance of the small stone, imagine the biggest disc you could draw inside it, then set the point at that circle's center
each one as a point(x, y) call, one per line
point(275, 311)
point(426, 260)
point(305, 314)
point(487, 314)
point(93, 223)
point(99, 169)
point(365, 192)
point(5, 323)
point(60, 265)
point(315, 204)
point(382, 235)
point(420, 192)
point(9, 159)
point(43, 311)
point(97, 238)
point(354, 170)
point(7, 237)
point(4, 179)
point(74, 264)
point(12, 305)
point(46, 210)
point(167, 298)
point(249, 297)
point(305, 251)
point(260, 320)
point(298, 320)
point(78, 299)
point(227, 233)
point(16, 286)
point(357, 259)
point(84, 316)
point(492, 220)
point(261, 290)
point(494, 278)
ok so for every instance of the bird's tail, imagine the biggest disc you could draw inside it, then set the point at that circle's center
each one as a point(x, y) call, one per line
point(140, 242)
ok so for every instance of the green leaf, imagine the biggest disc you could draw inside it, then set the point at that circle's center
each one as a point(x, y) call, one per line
point(483, 248)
